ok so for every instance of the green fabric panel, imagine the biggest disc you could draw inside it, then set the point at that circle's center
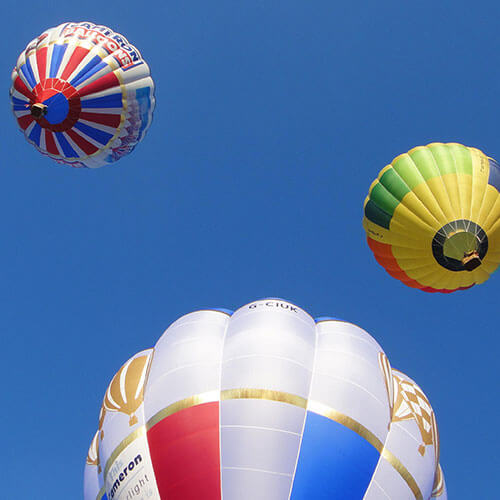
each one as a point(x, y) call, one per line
point(444, 158)
point(463, 158)
point(394, 184)
point(425, 162)
point(383, 198)
point(406, 169)
point(376, 215)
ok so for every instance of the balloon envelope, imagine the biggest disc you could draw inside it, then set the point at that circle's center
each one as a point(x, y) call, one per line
point(82, 94)
point(432, 217)
point(265, 403)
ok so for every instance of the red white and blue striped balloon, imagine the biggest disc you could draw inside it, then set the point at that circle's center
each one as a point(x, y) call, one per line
point(82, 94)
point(264, 403)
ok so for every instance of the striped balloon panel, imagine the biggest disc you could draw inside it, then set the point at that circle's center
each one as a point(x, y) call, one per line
point(418, 194)
point(263, 403)
point(99, 102)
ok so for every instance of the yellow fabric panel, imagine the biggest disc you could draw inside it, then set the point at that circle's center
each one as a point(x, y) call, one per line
point(438, 189)
point(480, 175)
point(411, 218)
point(447, 163)
point(447, 282)
point(452, 191)
point(426, 277)
point(465, 187)
point(479, 275)
point(382, 235)
point(490, 264)
point(413, 211)
point(416, 234)
point(492, 217)
point(425, 265)
point(430, 273)
point(494, 237)
point(490, 197)
point(405, 254)
point(429, 203)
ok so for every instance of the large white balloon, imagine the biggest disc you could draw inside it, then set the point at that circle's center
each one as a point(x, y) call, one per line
point(264, 403)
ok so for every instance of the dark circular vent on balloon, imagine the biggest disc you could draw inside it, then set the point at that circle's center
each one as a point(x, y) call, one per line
point(461, 238)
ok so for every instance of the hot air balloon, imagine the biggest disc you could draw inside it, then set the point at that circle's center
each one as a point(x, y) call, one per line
point(264, 403)
point(432, 217)
point(82, 94)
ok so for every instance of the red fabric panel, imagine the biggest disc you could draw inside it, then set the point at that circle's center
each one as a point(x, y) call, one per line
point(76, 58)
point(50, 143)
point(87, 147)
point(41, 62)
point(25, 121)
point(111, 120)
point(103, 83)
point(184, 449)
point(22, 89)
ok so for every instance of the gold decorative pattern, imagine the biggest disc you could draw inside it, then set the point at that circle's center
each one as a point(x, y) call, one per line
point(438, 488)
point(205, 397)
point(385, 366)
point(267, 394)
point(93, 454)
point(412, 404)
point(102, 414)
point(125, 393)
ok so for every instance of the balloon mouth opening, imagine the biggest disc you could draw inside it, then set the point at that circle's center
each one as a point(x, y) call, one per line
point(460, 245)
point(38, 110)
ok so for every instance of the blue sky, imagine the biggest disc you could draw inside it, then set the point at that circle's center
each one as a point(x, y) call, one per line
point(272, 120)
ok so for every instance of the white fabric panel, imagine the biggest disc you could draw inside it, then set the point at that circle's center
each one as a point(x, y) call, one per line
point(269, 344)
point(269, 347)
point(260, 434)
point(348, 378)
point(388, 480)
point(132, 475)
point(403, 441)
point(239, 484)
point(267, 373)
point(186, 360)
point(262, 413)
point(364, 342)
point(270, 450)
point(91, 484)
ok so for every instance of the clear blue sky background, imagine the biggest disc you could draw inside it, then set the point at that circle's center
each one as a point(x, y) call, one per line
point(272, 119)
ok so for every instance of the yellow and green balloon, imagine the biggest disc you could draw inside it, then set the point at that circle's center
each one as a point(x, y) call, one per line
point(432, 217)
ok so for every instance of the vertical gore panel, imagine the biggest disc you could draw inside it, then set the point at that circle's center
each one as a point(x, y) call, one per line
point(57, 56)
point(462, 156)
point(494, 178)
point(394, 184)
point(426, 164)
point(184, 450)
point(259, 442)
point(383, 198)
point(376, 215)
point(334, 462)
point(407, 170)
